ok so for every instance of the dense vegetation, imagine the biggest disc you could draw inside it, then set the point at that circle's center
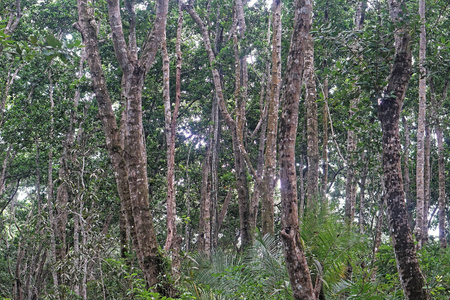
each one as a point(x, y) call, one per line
point(150, 149)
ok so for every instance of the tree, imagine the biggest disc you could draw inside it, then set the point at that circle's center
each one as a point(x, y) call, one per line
point(296, 264)
point(389, 107)
point(126, 144)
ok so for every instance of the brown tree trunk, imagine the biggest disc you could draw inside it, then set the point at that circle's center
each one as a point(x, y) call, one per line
point(296, 264)
point(362, 188)
point(420, 160)
point(170, 127)
point(127, 154)
point(389, 108)
point(270, 155)
point(312, 131)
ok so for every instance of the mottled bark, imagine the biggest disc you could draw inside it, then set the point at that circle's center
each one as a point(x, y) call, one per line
point(420, 160)
point(296, 264)
point(170, 128)
point(427, 181)
point(350, 184)
point(312, 130)
point(14, 18)
point(127, 154)
point(406, 179)
point(389, 108)
point(270, 155)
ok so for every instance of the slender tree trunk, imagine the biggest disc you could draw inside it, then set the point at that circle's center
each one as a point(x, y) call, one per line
point(204, 238)
point(296, 264)
point(362, 188)
point(312, 130)
point(350, 185)
point(270, 155)
point(441, 160)
point(442, 206)
point(420, 160)
point(389, 108)
point(378, 231)
point(236, 128)
point(427, 181)
point(406, 179)
point(325, 138)
point(171, 124)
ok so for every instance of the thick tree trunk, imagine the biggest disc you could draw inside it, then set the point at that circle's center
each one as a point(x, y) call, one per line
point(127, 154)
point(270, 155)
point(389, 108)
point(296, 264)
point(420, 160)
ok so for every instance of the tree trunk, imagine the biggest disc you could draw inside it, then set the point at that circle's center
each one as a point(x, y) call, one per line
point(441, 163)
point(389, 108)
point(204, 237)
point(312, 131)
point(350, 185)
point(296, 264)
point(406, 179)
point(420, 160)
point(236, 128)
point(325, 138)
point(127, 154)
point(270, 155)
point(427, 181)
point(436, 106)
point(170, 127)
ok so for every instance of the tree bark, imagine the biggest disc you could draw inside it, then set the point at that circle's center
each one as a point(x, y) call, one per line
point(420, 160)
point(389, 108)
point(127, 154)
point(427, 181)
point(406, 179)
point(312, 131)
point(270, 155)
point(296, 264)
point(204, 238)
point(441, 160)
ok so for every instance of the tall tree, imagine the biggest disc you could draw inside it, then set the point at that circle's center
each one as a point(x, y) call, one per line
point(127, 151)
point(296, 263)
point(420, 161)
point(350, 185)
point(389, 108)
point(270, 155)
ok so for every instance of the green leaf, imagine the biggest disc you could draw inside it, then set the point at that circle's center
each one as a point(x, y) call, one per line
point(51, 40)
